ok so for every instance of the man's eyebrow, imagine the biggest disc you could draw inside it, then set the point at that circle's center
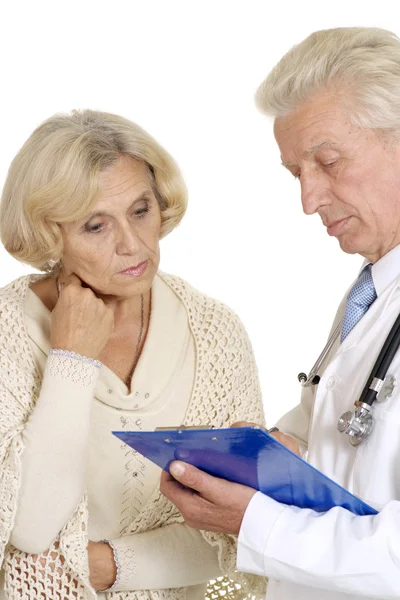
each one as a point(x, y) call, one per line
point(312, 151)
point(315, 148)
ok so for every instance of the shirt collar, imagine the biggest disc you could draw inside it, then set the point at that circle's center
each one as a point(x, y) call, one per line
point(385, 270)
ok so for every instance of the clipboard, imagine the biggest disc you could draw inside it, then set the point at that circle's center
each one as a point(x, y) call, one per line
point(247, 455)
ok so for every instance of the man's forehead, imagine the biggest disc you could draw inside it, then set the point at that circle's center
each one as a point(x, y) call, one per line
point(318, 117)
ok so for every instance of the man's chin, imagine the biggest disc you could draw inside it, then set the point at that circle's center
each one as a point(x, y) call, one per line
point(349, 245)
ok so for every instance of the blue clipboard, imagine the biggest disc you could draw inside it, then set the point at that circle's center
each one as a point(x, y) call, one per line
point(247, 455)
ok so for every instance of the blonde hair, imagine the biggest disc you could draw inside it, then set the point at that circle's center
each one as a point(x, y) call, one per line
point(360, 65)
point(54, 179)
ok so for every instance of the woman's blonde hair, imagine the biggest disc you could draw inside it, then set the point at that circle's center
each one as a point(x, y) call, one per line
point(360, 65)
point(54, 179)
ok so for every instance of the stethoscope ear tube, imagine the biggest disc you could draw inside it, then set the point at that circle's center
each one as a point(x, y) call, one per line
point(382, 363)
point(313, 378)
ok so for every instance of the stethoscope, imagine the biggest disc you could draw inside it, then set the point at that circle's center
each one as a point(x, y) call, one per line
point(359, 424)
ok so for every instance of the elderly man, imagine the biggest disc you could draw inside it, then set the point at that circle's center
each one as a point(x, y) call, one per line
point(335, 99)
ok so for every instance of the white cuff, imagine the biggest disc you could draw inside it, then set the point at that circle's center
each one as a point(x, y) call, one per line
point(123, 549)
point(71, 367)
point(258, 521)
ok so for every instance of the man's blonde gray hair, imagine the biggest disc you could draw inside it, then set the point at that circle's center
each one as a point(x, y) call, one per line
point(358, 65)
point(54, 179)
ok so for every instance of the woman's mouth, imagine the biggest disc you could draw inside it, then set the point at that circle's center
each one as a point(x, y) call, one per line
point(135, 271)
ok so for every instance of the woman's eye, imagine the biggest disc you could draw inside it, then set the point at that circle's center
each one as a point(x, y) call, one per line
point(140, 212)
point(97, 228)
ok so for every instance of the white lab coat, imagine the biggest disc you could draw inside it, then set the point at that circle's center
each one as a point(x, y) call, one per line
point(337, 555)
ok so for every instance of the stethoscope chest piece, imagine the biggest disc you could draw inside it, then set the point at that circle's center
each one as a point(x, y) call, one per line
point(358, 424)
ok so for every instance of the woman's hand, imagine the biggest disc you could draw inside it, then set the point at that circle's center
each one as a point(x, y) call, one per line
point(102, 567)
point(285, 440)
point(81, 322)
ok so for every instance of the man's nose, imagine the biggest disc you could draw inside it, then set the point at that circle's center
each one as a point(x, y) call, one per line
point(314, 191)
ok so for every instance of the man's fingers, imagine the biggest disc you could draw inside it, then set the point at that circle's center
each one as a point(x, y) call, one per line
point(197, 480)
point(211, 503)
point(166, 477)
point(172, 489)
point(187, 475)
point(287, 441)
point(244, 424)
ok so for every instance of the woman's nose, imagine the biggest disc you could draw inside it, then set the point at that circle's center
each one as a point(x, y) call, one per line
point(128, 241)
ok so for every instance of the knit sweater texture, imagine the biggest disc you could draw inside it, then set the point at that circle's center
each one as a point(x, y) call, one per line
point(226, 389)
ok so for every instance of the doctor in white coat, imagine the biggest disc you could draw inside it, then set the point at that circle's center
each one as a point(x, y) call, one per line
point(335, 99)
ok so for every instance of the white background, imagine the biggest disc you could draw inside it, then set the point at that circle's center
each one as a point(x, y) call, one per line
point(187, 72)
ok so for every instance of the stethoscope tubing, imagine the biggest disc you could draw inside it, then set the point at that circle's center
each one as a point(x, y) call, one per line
point(382, 364)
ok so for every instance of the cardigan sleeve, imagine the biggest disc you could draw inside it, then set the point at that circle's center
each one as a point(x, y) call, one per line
point(20, 384)
point(182, 556)
point(55, 440)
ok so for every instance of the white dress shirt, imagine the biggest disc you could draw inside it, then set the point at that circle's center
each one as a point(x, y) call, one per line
point(337, 555)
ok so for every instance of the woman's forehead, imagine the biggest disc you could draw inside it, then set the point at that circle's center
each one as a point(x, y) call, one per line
point(122, 175)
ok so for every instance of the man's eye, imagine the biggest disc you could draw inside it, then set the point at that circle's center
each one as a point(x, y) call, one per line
point(329, 162)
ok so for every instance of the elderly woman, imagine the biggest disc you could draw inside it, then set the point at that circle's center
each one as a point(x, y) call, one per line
point(102, 340)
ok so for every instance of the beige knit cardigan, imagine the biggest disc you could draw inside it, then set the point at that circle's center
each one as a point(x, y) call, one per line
point(226, 389)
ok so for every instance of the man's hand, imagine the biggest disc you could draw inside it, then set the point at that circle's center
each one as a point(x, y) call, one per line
point(206, 502)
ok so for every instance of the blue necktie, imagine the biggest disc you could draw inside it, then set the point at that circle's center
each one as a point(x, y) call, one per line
point(360, 298)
